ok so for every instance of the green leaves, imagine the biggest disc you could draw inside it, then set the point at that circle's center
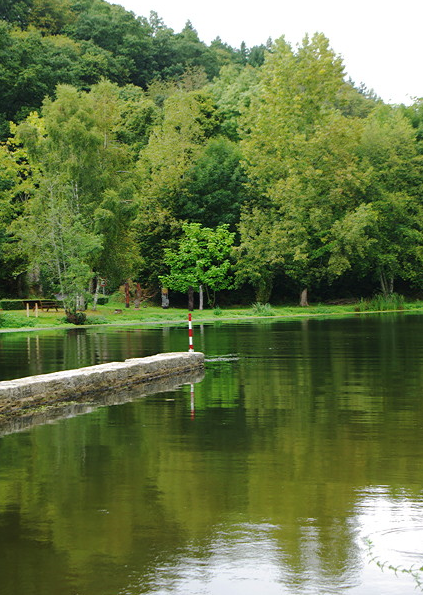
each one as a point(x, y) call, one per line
point(318, 179)
point(303, 155)
point(202, 258)
point(259, 255)
point(82, 208)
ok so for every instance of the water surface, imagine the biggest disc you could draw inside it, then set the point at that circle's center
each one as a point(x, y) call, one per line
point(296, 467)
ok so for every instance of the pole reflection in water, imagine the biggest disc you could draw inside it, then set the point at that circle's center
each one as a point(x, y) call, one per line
point(192, 402)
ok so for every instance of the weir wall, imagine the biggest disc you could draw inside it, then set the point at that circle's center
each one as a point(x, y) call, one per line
point(47, 389)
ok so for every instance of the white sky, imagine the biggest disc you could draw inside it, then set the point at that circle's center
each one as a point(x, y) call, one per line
point(380, 41)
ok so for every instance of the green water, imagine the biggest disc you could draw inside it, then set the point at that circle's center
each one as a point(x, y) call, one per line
point(302, 442)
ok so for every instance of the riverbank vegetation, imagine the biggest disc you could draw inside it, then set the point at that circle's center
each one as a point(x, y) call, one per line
point(115, 314)
point(131, 153)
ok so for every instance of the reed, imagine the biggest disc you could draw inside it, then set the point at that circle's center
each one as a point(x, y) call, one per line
point(380, 303)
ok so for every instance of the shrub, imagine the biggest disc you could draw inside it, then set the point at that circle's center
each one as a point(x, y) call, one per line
point(12, 305)
point(361, 306)
point(394, 301)
point(380, 303)
point(96, 320)
point(116, 298)
point(263, 309)
point(76, 317)
point(102, 300)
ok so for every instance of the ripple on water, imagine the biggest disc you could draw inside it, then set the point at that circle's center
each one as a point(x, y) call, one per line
point(399, 547)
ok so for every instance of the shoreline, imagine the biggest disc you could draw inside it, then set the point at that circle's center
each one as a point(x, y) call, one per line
point(211, 320)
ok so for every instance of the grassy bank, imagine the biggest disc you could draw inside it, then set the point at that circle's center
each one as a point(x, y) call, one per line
point(117, 314)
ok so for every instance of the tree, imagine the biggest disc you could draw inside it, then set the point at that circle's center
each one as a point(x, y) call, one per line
point(383, 235)
point(34, 64)
point(155, 230)
point(233, 92)
point(258, 255)
point(256, 55)
point(78, 223)
point(296, 92)
point(162, 173)
point(389, 145)
point(119, 258)
point(14, 190)
point(414, 113)
point(201, 259)
point(191, 52)
point(16, 12)
point(173, 145)
point(303, 156)
point(225, 54)
point(215, 186)
point(65, 251)
point(51, 16)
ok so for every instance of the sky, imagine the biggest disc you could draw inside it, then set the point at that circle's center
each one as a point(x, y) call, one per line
point(379, 40)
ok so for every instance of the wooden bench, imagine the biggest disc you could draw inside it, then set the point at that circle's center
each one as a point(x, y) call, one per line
point(47, 304)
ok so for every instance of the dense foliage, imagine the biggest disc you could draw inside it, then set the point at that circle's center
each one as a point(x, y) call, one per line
point(126, 148)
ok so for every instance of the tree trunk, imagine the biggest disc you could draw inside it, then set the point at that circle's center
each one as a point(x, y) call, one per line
point(304, 298)
point(127, 295)
point(201, 298)
point(165, 298)
point(264, 290)
point(386, 283)
point(80, 302)
point(383, 286)
point(137, 300)
point(34, 281)
point(190, 299)
point(97, 289)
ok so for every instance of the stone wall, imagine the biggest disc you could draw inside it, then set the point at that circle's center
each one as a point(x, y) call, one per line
point(46, 389)
point(22, 419)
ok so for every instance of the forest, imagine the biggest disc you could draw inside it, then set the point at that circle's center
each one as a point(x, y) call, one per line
point(131, 153)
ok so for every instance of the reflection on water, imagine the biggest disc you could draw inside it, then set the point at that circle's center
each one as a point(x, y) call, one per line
point(295, 462)
point(29, 354)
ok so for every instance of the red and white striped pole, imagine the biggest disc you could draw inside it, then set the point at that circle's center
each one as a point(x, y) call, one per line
point(191, 346)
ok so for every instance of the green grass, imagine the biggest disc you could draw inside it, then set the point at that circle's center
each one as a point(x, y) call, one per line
point(15, 319)
point(154, 315)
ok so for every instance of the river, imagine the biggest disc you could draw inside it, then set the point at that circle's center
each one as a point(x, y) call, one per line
point(294, 467)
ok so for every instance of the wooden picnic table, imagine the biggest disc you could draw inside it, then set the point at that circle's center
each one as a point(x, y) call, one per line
point(42, 304)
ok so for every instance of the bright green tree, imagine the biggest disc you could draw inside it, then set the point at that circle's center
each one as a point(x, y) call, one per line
point(51, 16)
point(58, 244)
point(297, 91)
point(202, 258)
point(15, 187)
